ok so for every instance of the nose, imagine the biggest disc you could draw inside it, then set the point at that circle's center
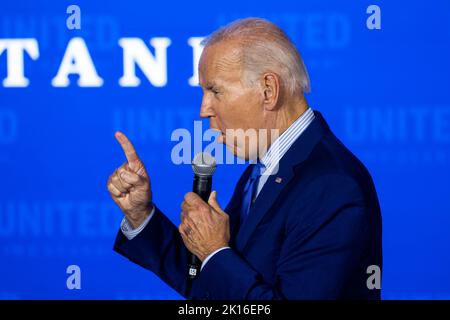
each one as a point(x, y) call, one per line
point(206, 109)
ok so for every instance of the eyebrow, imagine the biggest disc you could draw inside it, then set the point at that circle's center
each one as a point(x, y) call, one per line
point(209, 85)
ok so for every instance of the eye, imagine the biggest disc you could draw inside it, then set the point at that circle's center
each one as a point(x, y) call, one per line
point(213, 90)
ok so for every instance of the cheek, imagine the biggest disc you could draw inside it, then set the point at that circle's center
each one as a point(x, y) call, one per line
point(217, 122)
point(238, 110)
point(246, 112)
point(225, 114)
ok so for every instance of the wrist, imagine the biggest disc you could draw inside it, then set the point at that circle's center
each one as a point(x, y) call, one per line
point(137, 219)
point(216, 248)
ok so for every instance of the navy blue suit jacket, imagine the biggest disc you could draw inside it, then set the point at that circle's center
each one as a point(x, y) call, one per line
point(311, 236)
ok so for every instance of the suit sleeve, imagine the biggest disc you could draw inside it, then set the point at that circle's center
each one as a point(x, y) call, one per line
point(160, 249)
point(318, 255)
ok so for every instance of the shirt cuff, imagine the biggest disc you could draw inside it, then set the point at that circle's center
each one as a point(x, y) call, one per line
point(127, 228)
point(211, 255)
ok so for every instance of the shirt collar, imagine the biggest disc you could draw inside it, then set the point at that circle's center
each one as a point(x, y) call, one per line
point(282, 144)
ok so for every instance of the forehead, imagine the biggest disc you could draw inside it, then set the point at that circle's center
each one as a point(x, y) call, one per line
point(220, 62)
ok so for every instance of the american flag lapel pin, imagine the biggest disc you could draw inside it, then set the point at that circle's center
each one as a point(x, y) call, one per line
point(278, 179)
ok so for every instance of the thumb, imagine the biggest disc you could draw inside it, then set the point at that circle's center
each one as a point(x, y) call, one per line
point(212, 201)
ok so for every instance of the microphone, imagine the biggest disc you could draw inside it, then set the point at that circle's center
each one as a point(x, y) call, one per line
point(204, 166)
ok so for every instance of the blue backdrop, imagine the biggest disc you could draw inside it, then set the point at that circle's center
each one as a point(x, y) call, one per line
point(384, 92)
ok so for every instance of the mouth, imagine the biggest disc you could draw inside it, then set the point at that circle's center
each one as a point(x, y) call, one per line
point(220, 135)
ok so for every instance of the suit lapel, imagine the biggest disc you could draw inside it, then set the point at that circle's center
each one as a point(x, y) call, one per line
point(264, 201)
point(275, 184)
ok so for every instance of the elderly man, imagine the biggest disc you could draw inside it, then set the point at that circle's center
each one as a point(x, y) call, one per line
point(304, 221)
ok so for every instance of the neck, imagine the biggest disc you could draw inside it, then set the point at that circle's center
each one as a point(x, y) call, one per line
point(289, 113)
point(284, 118)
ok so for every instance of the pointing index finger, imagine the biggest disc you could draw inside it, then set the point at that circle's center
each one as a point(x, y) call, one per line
point(127, 147)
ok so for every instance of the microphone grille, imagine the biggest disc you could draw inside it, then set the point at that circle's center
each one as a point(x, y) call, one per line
point(204, 164)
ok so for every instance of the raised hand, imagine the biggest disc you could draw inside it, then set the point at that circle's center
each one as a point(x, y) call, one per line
point(129, 185)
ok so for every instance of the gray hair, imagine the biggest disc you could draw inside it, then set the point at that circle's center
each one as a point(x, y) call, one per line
point(265, 47)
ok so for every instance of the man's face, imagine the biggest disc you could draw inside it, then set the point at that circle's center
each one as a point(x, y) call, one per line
point(227, 101)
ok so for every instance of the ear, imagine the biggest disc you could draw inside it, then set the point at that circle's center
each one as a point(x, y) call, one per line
point(271, 87)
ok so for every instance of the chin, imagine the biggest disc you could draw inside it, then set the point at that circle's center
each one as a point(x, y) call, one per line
point(238, 152)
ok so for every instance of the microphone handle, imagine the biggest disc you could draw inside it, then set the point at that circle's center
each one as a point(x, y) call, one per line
point(202, 187)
